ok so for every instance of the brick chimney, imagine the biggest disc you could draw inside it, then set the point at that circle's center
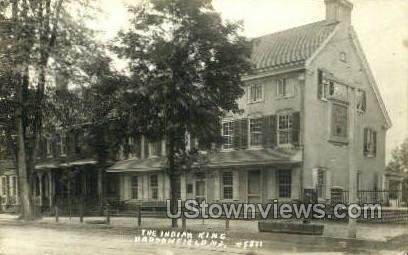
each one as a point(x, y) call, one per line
point(339, 10)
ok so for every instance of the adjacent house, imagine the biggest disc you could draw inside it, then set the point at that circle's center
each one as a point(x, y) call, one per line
point(312, 112)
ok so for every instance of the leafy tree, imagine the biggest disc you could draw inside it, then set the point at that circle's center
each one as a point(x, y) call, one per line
point(186, 65)
point(399, 161)
point(40, 38)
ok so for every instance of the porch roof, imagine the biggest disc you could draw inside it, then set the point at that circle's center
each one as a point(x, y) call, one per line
point(52, 165)
point(239, 158)
point(138, 165)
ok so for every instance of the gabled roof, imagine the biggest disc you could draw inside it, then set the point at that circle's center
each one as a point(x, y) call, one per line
point(290, 47)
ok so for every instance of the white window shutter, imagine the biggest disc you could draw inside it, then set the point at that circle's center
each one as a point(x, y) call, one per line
point(314, 177)
point(217, 185)
point(328, 184)
point(235, 182)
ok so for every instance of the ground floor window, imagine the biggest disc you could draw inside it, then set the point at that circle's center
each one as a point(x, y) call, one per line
point(227, 185)
point(135, 187)
point(154, 186)
point(321, 183)
point(284, 183)
point(200, 190)
point(4, 185)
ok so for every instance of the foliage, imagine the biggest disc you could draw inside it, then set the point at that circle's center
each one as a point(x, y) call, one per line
point(186, 66)
point(399, 161)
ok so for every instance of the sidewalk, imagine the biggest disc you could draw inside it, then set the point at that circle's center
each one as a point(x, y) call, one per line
point(371, 232)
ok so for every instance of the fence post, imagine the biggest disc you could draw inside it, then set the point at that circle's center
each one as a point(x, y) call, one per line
point(139, 215)
point(81, 212)
point(227, 223)
point(107, 215)
point(56, 214)
point(183, 221)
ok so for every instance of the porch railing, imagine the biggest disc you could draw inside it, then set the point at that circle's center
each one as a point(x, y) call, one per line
point(383, 197)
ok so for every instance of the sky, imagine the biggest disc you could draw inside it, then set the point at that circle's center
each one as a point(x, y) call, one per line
point(382, 27)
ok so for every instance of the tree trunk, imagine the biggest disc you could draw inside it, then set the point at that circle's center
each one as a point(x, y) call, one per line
point(23, 177)
point(173, 180)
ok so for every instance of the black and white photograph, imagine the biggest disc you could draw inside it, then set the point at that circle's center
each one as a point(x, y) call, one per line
point(172, 127)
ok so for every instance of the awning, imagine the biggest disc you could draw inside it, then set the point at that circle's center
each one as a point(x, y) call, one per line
point(138, 165)
point(239, 158)
point(52, 165)
point(255, 157)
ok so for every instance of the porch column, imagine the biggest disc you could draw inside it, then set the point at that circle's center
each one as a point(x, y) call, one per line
point(39, 176)
point(50, 189)
point(183, 187)
point(100, 188)
point(145, 186)
point(235, 183)
point(166, 186)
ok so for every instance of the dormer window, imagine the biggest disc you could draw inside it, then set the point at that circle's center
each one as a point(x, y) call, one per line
point(343, 57)
point(255, 93)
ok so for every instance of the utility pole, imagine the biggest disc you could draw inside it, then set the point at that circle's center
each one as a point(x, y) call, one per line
point(352, 223)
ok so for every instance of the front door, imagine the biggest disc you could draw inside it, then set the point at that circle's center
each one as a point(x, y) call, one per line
point(254, 186)
point(200, 190)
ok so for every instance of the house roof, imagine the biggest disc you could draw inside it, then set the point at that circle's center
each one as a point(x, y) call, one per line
point(290, 47)
point(239, 158)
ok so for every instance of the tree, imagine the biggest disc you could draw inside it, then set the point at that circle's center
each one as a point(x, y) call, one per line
point(40, 38)
point(399, 161)
point(186, 65)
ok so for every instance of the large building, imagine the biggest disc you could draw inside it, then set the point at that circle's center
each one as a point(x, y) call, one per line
point(312, 112)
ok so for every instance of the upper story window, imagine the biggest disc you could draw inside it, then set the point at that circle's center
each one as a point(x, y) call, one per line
point(343, 57)
point(155, 149)
point(228, 135)
point(285, 87)
point(370, 142)
point(361, 102)
point(285, 122)
point(62, 143)
point(255, 92)
point(339, 121)
point(255, 129)
point(48, 146)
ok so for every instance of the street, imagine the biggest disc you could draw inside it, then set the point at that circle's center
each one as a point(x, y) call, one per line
point(27, 239)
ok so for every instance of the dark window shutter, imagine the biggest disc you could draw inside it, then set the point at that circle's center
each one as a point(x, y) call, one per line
point(146, 148)
point(159, 148)
point(244, 133)
point(319, 83)
point(296, 128)
point(365, 141)
point(237, 134)
point(364, 107)
point(375, 143)
point(269, 131)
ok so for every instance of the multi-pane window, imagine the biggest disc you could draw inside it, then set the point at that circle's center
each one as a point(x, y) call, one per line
point(4, 185)
point(155, 149)
point(135, 187)
point(63, 144)
point(285, 122)
point(339, 120)
point(49, 146)
point(255, 92)
point(284, 183)
point(285, 87)
point(13, 190)
point(361, 100)
point(228, 135)
point(370, 142)
point(154, 186)
point(321, 183)
point(227, 185)
point(255, 128)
